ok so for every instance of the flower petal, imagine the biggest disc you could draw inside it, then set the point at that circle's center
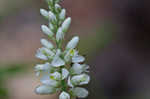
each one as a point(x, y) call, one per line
point(66, 24)
point(47, 44)
point(73, 43)
point(76, 69)
point(55, 76)
point(64, 95)
point(40, 55)
point(44, 89)
point(47, 81)
point(65, 73)
point(80, 92)
point(46, 30)
point(78, 59)
point(80, 79)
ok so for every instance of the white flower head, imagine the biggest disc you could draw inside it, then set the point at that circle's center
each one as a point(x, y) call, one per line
point(47, 44)
point(47, 31)
point(44, 89)
point(80, 79)
point(63, 69)
point(64, 95)
point(66, 24)
point(44, 13)
point(73, 43)
point(80, 92)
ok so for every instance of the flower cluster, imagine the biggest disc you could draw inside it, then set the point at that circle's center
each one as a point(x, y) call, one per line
point(63, 70)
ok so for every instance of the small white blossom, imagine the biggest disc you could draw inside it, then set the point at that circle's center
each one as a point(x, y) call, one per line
point(46, 80)
point(51, 26)
point(80, 92)
point(57, 62)
point(40, 55)
point(66, 24)
point(59, 35)
point(78, 59)
point(52, 17)
point(80, 79)
point(46, 30)
point(55, 76)
point(47, 44)
point(44, 89)
point(62, 14)
point(69, 82)
point(69, 54)
point(65, 73)
point(44, 13)
point(64, 95)
point(73, 43)
point(43, 67)
point(78, 68)
point(57, 7)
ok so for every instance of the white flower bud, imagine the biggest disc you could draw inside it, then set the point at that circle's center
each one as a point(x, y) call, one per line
point(69, 82)
point(64, 95)
point(47, 52)
point(47, 31)
point(55, 76)
point(57, 61)
point(43, 67)
point(40, 55)
point(44, 13)
point(59, 34)
point(80, 92)
point(80, 79)
point(57, 1)
point(52, 17)
point(44, 89)
point(46, 80)
point(77, 68)
point(65, 73)
point(51, 26)
point(62, 14)
point(66, 24)
point(47, 44)
point(78, 59)
point(57, 7)
point(73, 43)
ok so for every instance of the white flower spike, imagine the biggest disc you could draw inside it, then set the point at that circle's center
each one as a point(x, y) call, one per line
point(63, 69)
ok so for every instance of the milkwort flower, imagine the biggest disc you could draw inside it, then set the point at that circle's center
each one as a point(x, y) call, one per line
point(63, 70)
